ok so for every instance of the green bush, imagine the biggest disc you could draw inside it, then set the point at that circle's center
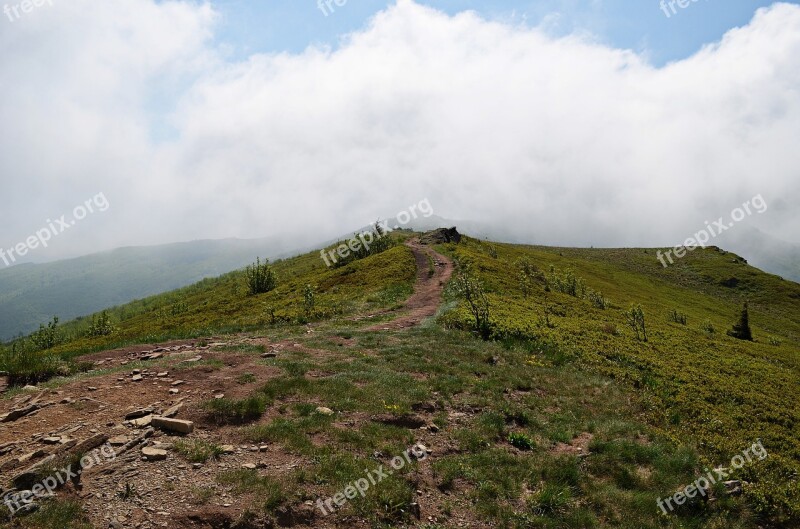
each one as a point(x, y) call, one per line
point(47, 336)
point(678, 317)
point(635, 317)
point(521, 441)
point(741, 331)
point(260, 277)
point(25, 366)
point(379, 244)
point(469, 288)
point(100, 326)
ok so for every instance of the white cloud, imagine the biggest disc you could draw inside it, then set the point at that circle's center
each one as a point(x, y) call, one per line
point(552, 140)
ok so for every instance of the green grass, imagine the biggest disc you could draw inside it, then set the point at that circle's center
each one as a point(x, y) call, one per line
point(557, 369)
point(699, 388)
point(64, 514)
point(198, 450)
point(230, 411)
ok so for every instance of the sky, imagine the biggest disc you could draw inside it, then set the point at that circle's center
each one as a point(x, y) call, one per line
point(566, 122)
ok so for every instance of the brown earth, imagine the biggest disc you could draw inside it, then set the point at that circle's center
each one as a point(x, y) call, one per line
point(168, 493)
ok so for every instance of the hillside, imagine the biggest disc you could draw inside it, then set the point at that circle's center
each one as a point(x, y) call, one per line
point(560, 418)
point(31, 294)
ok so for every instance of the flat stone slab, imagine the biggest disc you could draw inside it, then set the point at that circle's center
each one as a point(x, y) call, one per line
point(154, 454)
point(173, 425)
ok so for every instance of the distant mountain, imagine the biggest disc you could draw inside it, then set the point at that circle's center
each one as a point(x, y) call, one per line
point(31, 294)
point(764, 251)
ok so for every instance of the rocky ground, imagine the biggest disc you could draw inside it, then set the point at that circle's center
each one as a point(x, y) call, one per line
point(129, 412)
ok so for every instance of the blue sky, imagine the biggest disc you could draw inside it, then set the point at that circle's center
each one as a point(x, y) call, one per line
point(252, 26)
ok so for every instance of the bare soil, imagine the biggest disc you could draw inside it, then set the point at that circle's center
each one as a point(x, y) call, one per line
point(170, 492)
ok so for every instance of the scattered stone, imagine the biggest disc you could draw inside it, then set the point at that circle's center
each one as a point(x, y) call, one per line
point(733, 487)
point(420, 451)
point(174, 391)
point(249, 466)
point(433, 428)
point(13, 415)
point(227, 449)
point(269, 355)
point(142, 422)
point(173, 425)
point(263, 448)
point(195, 359)
point(178, 383)
point(173, 411)
point(163, 374)
point(51, 440)
point(136, 378)
point(322, 410)
point(91, 388)
point(154, 454)
point(66, 400)
point(137, 414)
point(119, 440)
point(89, 444)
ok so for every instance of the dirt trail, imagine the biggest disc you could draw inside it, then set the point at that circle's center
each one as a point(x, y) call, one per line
point(427, 290)
point(159, 377)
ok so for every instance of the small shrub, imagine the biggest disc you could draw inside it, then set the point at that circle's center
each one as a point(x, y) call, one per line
point(100, 326)
point(468, 287)
point(741, 330)
point(527, 273)
point(521, 441)
point(309, 300)
point(774, 341)
point(708, 327)
point(47, 336)
point(198, 450)
point(128, 493)
point(635, 317)
point(247, 378)
point(678, 317)
point(567, 283)
point(25, 366)
point(597, 299)
point(260, 277)
point(610, 328)
point(228, 411)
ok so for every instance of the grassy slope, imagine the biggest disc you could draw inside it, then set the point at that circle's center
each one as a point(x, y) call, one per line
point(222, 304)
point(32, 293)
point(712, 391)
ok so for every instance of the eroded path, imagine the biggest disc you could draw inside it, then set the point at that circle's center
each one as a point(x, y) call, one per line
point(433, 272)
point(140, 381)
